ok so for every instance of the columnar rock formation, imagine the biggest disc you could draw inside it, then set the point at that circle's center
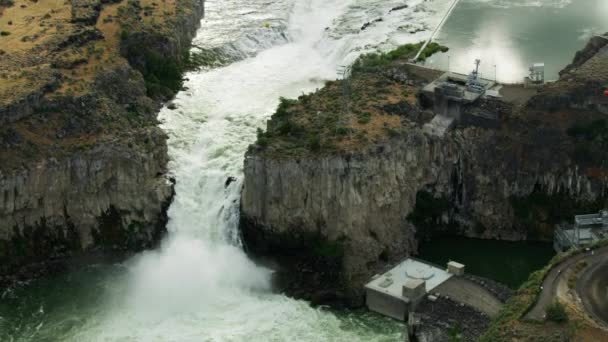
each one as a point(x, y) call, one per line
point(511, 181)
point(83, 164)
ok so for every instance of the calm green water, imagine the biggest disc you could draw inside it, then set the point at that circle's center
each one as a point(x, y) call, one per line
point(512, 34)
point(509, 263)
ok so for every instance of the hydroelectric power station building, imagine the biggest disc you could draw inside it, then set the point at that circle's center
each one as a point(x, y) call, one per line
point(398, 291)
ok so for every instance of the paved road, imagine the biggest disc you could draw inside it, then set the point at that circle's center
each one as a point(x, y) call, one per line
point(554, 276)
point(592, 287)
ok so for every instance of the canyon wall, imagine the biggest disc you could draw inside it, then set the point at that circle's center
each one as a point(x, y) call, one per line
point(84, 170)
point(513, 180)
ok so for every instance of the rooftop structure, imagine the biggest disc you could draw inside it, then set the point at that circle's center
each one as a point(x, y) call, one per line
point(536, 75)
point(585, 230)
point(460, 88)
point(455, 268)
point(397, 291)
point(450, 92)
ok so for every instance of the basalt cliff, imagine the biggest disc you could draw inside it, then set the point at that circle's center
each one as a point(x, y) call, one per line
point(83, 164)
point(339, 186)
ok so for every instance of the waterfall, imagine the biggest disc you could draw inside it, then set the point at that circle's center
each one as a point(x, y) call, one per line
point(200, 285)
point(200, 269)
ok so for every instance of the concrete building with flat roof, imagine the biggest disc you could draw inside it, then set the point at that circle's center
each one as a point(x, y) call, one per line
point(396, 292)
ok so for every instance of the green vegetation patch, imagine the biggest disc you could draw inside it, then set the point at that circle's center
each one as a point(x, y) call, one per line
point(431, 49)
point(162, 72)
point(346, 113)
point(556, 312)
point(374, 61)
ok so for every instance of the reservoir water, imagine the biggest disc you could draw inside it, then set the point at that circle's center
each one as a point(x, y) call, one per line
point(512, 34)
point(199, 285)
point(509, 263)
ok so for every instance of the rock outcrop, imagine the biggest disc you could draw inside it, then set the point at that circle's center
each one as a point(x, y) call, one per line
point(513, 180)
point(83, 164)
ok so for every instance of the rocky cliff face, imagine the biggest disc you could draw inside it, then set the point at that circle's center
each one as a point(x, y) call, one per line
point(83, 165)
point(582, 81)
point(512, 181)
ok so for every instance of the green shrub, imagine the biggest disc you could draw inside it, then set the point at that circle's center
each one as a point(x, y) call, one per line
point(341, 130)
point(163, 75)
point(162, 72)
point(455, 333)
point(124, 35)
point(314, 142)
point(285, 127)
point(262, 138)
point(364, 118)
point(4, 33)
point(392, 132)
point(284, 104)
point(556, 312)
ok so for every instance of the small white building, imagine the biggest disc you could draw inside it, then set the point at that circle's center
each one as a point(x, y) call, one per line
point(455, 268)
point(396, 292)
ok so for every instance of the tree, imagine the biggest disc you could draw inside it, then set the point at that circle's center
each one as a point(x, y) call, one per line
point(556, 312)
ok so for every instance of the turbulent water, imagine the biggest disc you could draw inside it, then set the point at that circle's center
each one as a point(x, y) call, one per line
point(200, 286)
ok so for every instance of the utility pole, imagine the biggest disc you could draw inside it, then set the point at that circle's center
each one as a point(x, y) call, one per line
point(345, 71)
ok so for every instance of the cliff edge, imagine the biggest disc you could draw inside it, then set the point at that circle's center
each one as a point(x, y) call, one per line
point(82, 161)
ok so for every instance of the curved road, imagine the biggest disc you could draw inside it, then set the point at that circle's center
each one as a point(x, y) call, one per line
point(592, 287)
point(555, 275)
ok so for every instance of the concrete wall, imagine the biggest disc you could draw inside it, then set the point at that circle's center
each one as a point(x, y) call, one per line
point(386, 305)
point(469, 293)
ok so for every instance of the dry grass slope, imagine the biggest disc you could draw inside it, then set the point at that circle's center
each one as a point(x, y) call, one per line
point(55, 58)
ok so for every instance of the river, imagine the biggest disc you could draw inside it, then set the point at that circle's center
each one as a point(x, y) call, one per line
point(199, 285)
